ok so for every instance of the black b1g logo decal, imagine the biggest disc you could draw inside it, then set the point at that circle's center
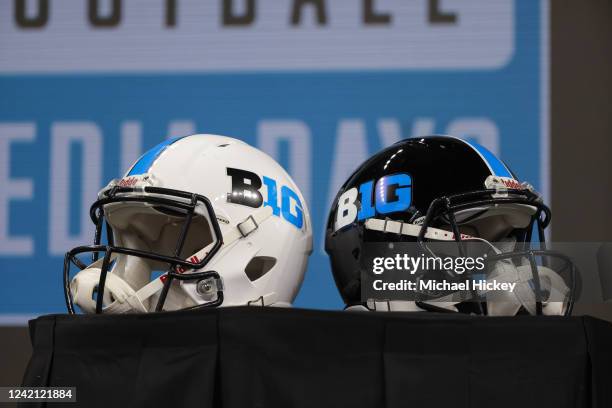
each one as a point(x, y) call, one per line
point(245, 188)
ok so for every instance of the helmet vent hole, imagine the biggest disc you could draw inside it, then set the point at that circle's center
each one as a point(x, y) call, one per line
point(259, 266)
point(223, 145)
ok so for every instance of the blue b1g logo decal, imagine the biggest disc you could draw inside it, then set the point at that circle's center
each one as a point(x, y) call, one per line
point(245, 191)
point(390, 194)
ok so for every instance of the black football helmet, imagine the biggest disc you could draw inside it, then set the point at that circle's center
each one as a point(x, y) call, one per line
point(445, 189)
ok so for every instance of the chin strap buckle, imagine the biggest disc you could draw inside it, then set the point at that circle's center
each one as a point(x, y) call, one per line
point(379, 305)
point(264, 300)
point(248, 226)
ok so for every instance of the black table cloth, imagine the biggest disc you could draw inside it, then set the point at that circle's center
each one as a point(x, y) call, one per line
point(272, 357)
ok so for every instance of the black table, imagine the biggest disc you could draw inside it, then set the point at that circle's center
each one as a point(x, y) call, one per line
point(272, 357)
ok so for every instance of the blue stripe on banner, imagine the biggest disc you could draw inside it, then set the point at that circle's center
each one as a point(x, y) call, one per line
point(146, 160)
point(498, 168)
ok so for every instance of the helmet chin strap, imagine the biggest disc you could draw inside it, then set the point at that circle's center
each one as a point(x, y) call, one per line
point(120, 297)
point(499, 303)
point(411, 230)
point(116, 290)
point(404, 306)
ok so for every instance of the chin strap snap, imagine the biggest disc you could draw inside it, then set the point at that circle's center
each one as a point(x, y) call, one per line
point(249, 225)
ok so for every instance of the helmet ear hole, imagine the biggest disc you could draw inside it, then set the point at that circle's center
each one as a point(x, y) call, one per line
point(259, 266)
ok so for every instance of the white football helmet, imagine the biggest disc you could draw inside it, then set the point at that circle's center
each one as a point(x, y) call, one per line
point(197, 221)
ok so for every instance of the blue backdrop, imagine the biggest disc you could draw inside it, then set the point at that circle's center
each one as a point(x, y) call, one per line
point(343, 116)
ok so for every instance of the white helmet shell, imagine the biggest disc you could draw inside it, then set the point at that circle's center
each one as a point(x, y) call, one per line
point(264, 222)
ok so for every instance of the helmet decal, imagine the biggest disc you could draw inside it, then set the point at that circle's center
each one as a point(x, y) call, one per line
point(146, 160)
point(497, 167)
point(246, 187)
point(392, 193)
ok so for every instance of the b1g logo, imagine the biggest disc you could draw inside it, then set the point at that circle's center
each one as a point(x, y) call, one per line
point(390, 194)
point(245, 191)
